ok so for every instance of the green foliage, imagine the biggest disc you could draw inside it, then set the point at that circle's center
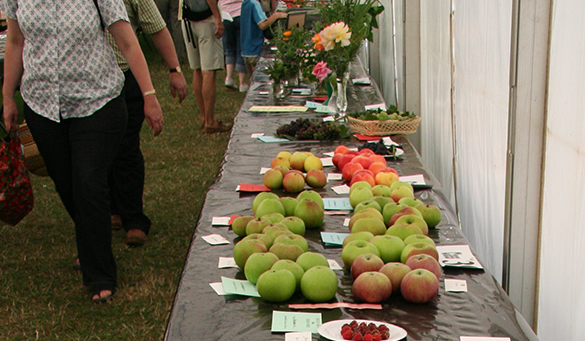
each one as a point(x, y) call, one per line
point(291, 55)
point(383, 115)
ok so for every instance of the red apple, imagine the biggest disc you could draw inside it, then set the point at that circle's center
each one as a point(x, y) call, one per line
point(417, 249)
point(419, 286)
point(376, 167)
point(424, 261)
point(335, 159)
point(372, 287)
point(366, 151)
point(316, 178)
point(385, 178)
point(280, 161)
point(362, 160)
point(395, 271)
point(341, 149)
point(363, 175)
point(293, 182)
point(405, 210)
point(350, 169)
point(378, 158)
point(272, 178)
point(346, 158)
point(364, 263)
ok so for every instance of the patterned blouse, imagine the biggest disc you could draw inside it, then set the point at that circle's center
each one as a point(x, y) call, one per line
point(69, 68)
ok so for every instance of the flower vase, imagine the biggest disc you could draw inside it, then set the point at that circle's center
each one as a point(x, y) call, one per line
point(278, 89)
point(341, 102)
point(332, 96)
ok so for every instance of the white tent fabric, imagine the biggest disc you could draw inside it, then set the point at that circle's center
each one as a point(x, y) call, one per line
point(562, 254)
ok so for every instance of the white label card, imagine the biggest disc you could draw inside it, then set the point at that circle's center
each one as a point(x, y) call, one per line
point(218, 288)
point(335, 176)
point(484, 338)
point(346, 221)
point(417, 179)
point(256, 135)
point(334, 265)
point(455, 285)
point(227, 262)
point(327, 161)
point(343, 189)
point(215, 239)
point(328, 119)
point(457, 256)
point(220, 221)
point(264, 170)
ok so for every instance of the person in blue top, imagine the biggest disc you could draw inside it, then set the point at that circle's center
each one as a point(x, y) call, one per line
point(253, 21)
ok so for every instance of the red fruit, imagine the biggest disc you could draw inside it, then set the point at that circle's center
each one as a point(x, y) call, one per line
point(376, 337)
point(353, 324)
point(368, 337)
point(346, 158)
point(347, 335)
point(367, 151)
point(358, 337)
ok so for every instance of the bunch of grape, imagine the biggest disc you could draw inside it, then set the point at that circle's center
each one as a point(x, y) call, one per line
point(364, 332)
point(305, 129)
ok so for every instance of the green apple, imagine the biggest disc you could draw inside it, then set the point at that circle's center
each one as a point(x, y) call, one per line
point(289, 204)
point(295, 224)
point(414, 220)
point(266, 239)
point(272, 178)
point(369, 212)
point(362, 235)
point(310, 194)
point(311, 212)
point(260, 197)
point(310, 259)
point(293, 239)
point(269, 206)
point(256, 225)
point(403, 230)
point(276, 285)
point(355, 248)
point(418, 238)
point(368, 203)
point(382, 201)
point(275, 230)
point(274, 217)
point(359, 184)
point(292, 266)
point(257, 264)
point(401, 192)
point(286, 251)
point(360, 194)
point(319, 284)
point(417, 249)
point(313, 163)
point(373, 225)
point(297, 160)
point(412, 202)
point(395, 271)
point(390, 247)
point(245, 248)
point(431, 214)
point(389, 210)
point(406, 210)
point(381, 191)
point(398, 184)
point(239, 224)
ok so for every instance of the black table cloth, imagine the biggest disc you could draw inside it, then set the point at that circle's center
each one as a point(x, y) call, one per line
point(198, 313)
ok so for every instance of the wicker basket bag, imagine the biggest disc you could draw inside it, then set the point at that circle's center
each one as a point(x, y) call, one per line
point(383, 128)
point(32, 158)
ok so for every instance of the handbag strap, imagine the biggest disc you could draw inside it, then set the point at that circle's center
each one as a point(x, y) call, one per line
point(99, 13)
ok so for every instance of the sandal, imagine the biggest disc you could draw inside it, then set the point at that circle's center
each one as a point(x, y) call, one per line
point(221, 128)
point(97, 291)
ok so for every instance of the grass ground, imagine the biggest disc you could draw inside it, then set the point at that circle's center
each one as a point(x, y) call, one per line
point(42, 297)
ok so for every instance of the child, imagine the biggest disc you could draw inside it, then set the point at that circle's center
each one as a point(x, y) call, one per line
point(252, 22)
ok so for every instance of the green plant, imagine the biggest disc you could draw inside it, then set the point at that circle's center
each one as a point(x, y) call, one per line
point(291, 54)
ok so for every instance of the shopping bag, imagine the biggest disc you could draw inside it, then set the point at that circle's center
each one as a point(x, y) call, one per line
point(16, 195)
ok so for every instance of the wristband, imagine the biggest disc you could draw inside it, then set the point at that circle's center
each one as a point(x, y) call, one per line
point(151, 92)
point(176, 69)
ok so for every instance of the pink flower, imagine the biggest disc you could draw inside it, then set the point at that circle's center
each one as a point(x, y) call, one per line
point(321, 71)
point(335, 33)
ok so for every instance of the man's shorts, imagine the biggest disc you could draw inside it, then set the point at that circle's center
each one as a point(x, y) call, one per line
point(204, 51)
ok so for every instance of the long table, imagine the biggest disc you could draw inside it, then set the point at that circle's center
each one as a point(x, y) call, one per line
point(198, 313)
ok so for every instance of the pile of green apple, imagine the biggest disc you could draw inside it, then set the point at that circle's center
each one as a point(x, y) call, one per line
point(274, 253)
point(388, 250)
point(287, 172)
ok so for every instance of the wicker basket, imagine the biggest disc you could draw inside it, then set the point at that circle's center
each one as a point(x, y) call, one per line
point(32, 158)
point(383, 128)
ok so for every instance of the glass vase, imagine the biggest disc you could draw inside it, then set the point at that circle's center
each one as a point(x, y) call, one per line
point(278, 89)
point(341, 102)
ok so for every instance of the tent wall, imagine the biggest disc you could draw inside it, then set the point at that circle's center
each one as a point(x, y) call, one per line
point(561, 311)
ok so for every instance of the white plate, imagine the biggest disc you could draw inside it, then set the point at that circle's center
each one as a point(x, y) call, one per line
point(332, 330)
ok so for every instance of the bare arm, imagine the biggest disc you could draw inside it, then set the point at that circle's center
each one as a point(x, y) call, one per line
point(164, 44)
point(217, 17)
point(13, 70)
point(128, 44)
point(271, 19)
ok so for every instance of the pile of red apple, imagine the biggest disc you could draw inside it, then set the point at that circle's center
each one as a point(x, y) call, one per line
point(364, 332)
point(287, 172)
point(364, 165)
